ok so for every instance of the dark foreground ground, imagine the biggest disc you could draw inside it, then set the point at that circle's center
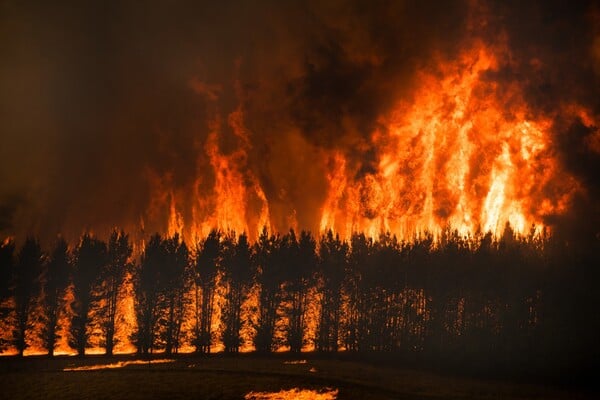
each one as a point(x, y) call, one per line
point(222, 377)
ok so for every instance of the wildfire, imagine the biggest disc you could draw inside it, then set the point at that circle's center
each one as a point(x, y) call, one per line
point(464, 153)
point(463, 150)
point(235, 201)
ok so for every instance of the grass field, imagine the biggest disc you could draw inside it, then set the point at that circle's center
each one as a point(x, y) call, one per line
point(222, 377)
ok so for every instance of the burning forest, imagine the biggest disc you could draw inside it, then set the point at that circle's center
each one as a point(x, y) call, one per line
point(414, 180)
point(290, 292)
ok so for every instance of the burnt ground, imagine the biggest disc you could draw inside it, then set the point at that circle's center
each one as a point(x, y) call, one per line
point(226, 377)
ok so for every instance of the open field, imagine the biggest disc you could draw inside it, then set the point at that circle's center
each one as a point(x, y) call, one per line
point(221, 377)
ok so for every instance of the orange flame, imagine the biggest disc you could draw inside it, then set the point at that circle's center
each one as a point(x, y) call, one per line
point(464, 153)
point(465, 150)
point(237, 201)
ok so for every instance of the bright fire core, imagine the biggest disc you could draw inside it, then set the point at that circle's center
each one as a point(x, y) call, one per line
point(464, 151)
point(465, 154)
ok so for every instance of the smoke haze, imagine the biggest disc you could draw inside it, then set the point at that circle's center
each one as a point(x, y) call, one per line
point(111, 110)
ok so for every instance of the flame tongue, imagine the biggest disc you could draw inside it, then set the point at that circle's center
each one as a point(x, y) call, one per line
point(465, 153)
point(465, 150)
point(235, 201)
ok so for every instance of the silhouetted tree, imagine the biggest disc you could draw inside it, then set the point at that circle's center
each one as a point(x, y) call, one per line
point(482, 301)
point(173, 284)
point(389, 304)
point(359, 289)
point(26, 288)
point(146, 281)
point(299, 260)
point(268, 275)
point(90, 259)
point(208, 260)
point(237, 274)
point(112, 278)
point(444, 282)
point(514, 289)
point(56, 280)
point(7, 249)
point(160, 286)
point(332, 262)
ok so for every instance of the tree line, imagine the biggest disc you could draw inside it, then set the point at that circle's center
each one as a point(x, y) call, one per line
point(477, 300)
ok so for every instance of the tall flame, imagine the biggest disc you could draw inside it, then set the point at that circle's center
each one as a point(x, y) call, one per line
point(464, 152)
point(235, 201)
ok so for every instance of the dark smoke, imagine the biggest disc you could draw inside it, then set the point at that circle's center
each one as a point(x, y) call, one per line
point(555, 47)
point(99, 97)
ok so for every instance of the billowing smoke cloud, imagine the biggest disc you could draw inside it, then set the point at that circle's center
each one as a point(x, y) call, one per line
point(105, 105)
point(554, 45)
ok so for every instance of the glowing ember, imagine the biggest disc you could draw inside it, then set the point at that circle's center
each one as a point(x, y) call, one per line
point(119, 364)
point(306, 394)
